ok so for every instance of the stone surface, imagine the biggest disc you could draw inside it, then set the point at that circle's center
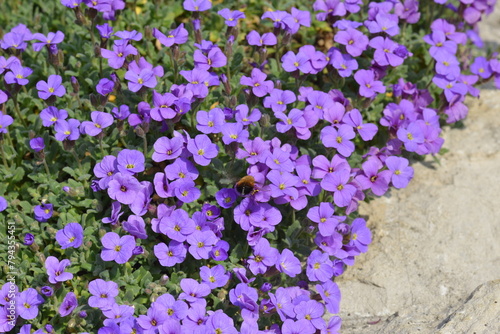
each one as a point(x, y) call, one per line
point(436, 241)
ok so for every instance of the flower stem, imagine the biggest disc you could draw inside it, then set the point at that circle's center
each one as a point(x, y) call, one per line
point(3, 155)
point(18, 111)
point(47, 170)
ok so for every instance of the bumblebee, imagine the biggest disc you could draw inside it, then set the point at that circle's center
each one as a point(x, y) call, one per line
point(245, 186)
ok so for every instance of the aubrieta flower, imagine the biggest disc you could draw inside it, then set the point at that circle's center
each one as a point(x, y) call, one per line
point(214, 277)
point(177, 36)
point(27, 304)
point(29, 238)
point(116, 248)
point(68, 304)
point(170, 255)
point(18, 74)
point(278, 100)
point(368, 86)
point(201, 243)
point(116, 58)
point(55, 270)
point(103, 293)
point(402, 173)
point(51, 115)
point(50, 40)
point(70, 236)
point(268, 38)
point(197, 5)
point(257, 80)
point(67, 130)
point(287, 263)
point(5, 121)
point(105, 86)
point(43, 212)
point(355, 41)
point(130, 161)
point(37, 144)
point(124, 188)
point(210, 121)
point(142, 74)
point(339, 138)
point(203, 149)
point(231, 16)
point(100, 120)
point(52, 87)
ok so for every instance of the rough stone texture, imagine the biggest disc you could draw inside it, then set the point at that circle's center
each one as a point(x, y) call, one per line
point(436, 241)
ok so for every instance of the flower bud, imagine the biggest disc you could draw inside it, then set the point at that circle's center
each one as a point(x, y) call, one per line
point(75, 85)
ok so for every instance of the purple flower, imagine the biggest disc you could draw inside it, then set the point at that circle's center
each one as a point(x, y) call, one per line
point(343, 63)
point(242, 115)
point(440, 46)
point(167, 149)
point(170, 255)
point(70, 236)
point(330, 8)
point(116, 248)
point(130, 161)
point(121, 112)
point(330, 293)
point(100, 120)
point(67, 130)
point(301, 326)
point(337, 182)
point(292, 62)
point(234, 132)
point(324, 216)
point(339, 139)
point(29, 238)
point(192, 290)
point(268, 38)
point(214, 58)
point(384, 23)
point(135, 226)
point(360, 236)
point(385, 51)
point(366, 130)
point(372, 178)
point(186, 191)
point(124, 188)
point(5, 121)
point(51, 40)
point(27, 304)
point(47, 291)
point(177, 36)
point(197, 5)
point(43, 212)
point(68, 304)
point(105, 86)
point(211, 121)
point(203, 149)
point(36, 143)
point(319, 266)
point(260, 87)
point(231, 16)
point(214, 277)
point(51, 115)
point(199, 80)
point(201, 243)
point(411, 136)
point(287, 263)
point(311, 311)
point(103, 293)
point(278, 99)
point(18, 74)
point(481, 67)
point(368, 86)
point(354, 41)
point(264, 256)
point(116, 58)
point(52, 87)
point(401, 172)
point(55, 270)
point(178, 226)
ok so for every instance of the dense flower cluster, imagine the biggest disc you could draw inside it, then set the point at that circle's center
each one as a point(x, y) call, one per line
point(261, 261)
